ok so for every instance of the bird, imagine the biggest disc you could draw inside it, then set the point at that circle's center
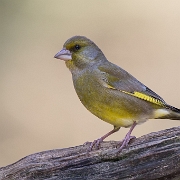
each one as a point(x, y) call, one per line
point(109, 92)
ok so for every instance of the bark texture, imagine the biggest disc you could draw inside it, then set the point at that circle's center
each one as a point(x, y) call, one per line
point(155, 156)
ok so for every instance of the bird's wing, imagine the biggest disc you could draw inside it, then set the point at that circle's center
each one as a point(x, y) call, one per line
point(118, 79)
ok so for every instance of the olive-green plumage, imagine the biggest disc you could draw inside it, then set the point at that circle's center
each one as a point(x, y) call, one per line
point(108, 91)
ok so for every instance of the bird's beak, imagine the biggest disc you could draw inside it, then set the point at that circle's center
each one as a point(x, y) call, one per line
point(64, 54)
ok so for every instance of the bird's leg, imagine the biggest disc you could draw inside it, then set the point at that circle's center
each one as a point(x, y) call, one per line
point(97, 142)
point(127, 138)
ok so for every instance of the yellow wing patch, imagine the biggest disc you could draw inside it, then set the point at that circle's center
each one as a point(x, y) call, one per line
point(145, 97)
point(141, 96)
point(110, 87)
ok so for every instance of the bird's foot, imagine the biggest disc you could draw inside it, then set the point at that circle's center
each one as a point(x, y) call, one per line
point(96, 143)
point(122, 144)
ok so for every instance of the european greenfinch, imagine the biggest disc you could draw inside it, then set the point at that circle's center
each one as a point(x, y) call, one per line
point(109, 92)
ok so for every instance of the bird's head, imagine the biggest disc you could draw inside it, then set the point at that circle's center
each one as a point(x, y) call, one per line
point(80, 52)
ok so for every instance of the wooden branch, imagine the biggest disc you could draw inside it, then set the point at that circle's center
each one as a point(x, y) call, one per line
point(150, 157)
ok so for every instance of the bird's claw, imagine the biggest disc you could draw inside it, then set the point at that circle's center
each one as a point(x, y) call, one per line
point(124, 142)
point(96, 143)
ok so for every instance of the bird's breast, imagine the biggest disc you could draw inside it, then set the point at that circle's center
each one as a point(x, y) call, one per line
point(109, 105)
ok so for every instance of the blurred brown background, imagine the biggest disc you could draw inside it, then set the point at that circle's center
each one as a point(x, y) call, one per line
point(39, 109)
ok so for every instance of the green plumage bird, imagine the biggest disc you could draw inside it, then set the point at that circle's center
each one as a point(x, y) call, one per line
point(109, 92)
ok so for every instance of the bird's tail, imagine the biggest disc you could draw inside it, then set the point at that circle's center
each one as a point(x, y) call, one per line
point(169, 112)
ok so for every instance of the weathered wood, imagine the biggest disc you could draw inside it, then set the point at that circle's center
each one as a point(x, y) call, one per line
point(150, 157)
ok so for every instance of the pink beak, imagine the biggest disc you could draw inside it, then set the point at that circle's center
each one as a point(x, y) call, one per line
point(64, 54)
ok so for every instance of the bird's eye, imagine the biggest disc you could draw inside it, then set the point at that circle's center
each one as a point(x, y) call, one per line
point(77, 47)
